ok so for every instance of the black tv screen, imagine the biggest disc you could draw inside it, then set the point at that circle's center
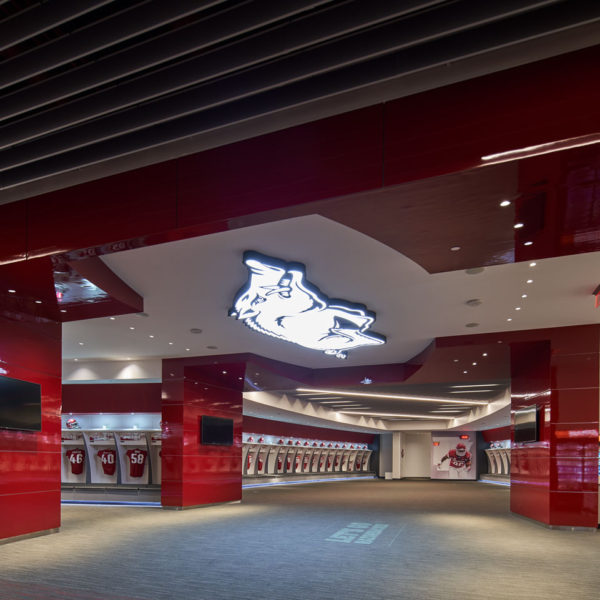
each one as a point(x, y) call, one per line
point(20, 405)
point(217, 431)
point(526, 424)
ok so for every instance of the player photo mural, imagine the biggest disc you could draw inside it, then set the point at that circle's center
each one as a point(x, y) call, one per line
point(278, 300)
point(453, 457)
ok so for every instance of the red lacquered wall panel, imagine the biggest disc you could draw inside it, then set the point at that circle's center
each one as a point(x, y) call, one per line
point(30, 461)
point(331, 157)
point(496, 434)
point(268, 427)
point(194, 473)
point(111, 397)
point(530, 463)
point(555, 480)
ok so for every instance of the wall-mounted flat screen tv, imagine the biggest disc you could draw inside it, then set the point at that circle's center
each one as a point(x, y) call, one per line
point(20, 405)
point(526, 424)
point(216, 431)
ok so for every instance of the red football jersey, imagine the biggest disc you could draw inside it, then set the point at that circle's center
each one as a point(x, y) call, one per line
point(76, 456)
point(108, 460)
point(137, 461)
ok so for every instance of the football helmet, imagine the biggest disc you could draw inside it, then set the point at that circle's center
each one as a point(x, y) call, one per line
point(461, 449)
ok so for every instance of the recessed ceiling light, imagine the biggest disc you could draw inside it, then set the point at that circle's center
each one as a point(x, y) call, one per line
point(517, 308)
point(456, 360)
point(81, 344)
point(187, 349)
point(509, 319)
point(527, 243)
point(195, 330)
point(224, 372)
point(472, 325)
point(212, 347)
point(518, 225)
point(62, 310)
point(474, 364)
point(505, 203)
point(112, 318)
point(465, 372)
point(150, 336)
point(170, 343)
point(530, 281)
point(38, 301)
point(12, 291)
point(523, 295)
point(132, 328)
point(484, 354)
point(76, 359)
point(455, 249)
point(532, 264)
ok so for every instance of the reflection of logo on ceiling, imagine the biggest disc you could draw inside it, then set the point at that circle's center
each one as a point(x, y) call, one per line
point(277, 300)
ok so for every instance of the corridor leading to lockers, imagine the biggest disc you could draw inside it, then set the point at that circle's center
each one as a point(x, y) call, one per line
point(352, 540)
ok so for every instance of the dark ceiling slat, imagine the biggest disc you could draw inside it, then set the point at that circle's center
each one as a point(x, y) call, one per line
point(43, 17)
point(96, 37)
point(323, 58)
point(382, 68)
point(239, 20)
point(316, 28)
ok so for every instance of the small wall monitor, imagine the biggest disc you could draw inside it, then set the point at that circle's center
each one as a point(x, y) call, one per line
point(526, 424)
point(216, 431)
point(20, 405)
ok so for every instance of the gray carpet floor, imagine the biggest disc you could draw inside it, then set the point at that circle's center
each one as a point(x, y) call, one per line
point(352, 540)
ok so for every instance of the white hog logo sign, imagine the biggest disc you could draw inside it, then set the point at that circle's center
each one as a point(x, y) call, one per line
point(277, 300)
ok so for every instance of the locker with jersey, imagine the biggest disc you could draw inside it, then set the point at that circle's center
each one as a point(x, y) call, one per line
point(76, 456)
point(137, 461)
point(108, 457)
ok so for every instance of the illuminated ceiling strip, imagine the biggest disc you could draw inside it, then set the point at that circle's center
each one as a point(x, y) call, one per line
point(395, 397)
point(557, 146)
point(377, 414)
point(469, 391)
point(475, 385)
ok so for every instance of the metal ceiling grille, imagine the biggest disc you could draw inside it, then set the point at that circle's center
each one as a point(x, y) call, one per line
point(83, 83)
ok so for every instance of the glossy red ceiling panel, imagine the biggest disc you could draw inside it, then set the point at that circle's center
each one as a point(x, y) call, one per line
point(326, 158)
point(120, 207)
point(537, 103)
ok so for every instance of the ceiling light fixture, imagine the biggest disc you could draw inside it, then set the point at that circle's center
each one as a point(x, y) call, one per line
point(386, 396)
point(276, 288)
point(377, 414)
point(472, 385)
point(505, 203)
point(532, 264)
point(484, 354)
point(132, 328)
point(517, 308)
point(527, 243)
point(530, 281)
point(523, 295)
point(12, 291)
point(509, 319)
point(455, 249)
point(518, 225)
point(547, 148)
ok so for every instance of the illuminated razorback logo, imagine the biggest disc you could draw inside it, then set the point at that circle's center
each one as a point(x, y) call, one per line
point(277, 300)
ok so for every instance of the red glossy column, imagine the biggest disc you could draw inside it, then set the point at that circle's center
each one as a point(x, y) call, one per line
point(556, 479)
point(30, 350)
point(193, 473)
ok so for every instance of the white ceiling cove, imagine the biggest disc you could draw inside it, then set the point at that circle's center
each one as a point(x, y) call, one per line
point(191, 284)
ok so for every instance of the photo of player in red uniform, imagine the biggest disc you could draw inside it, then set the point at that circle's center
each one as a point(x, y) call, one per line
point(460, 462)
